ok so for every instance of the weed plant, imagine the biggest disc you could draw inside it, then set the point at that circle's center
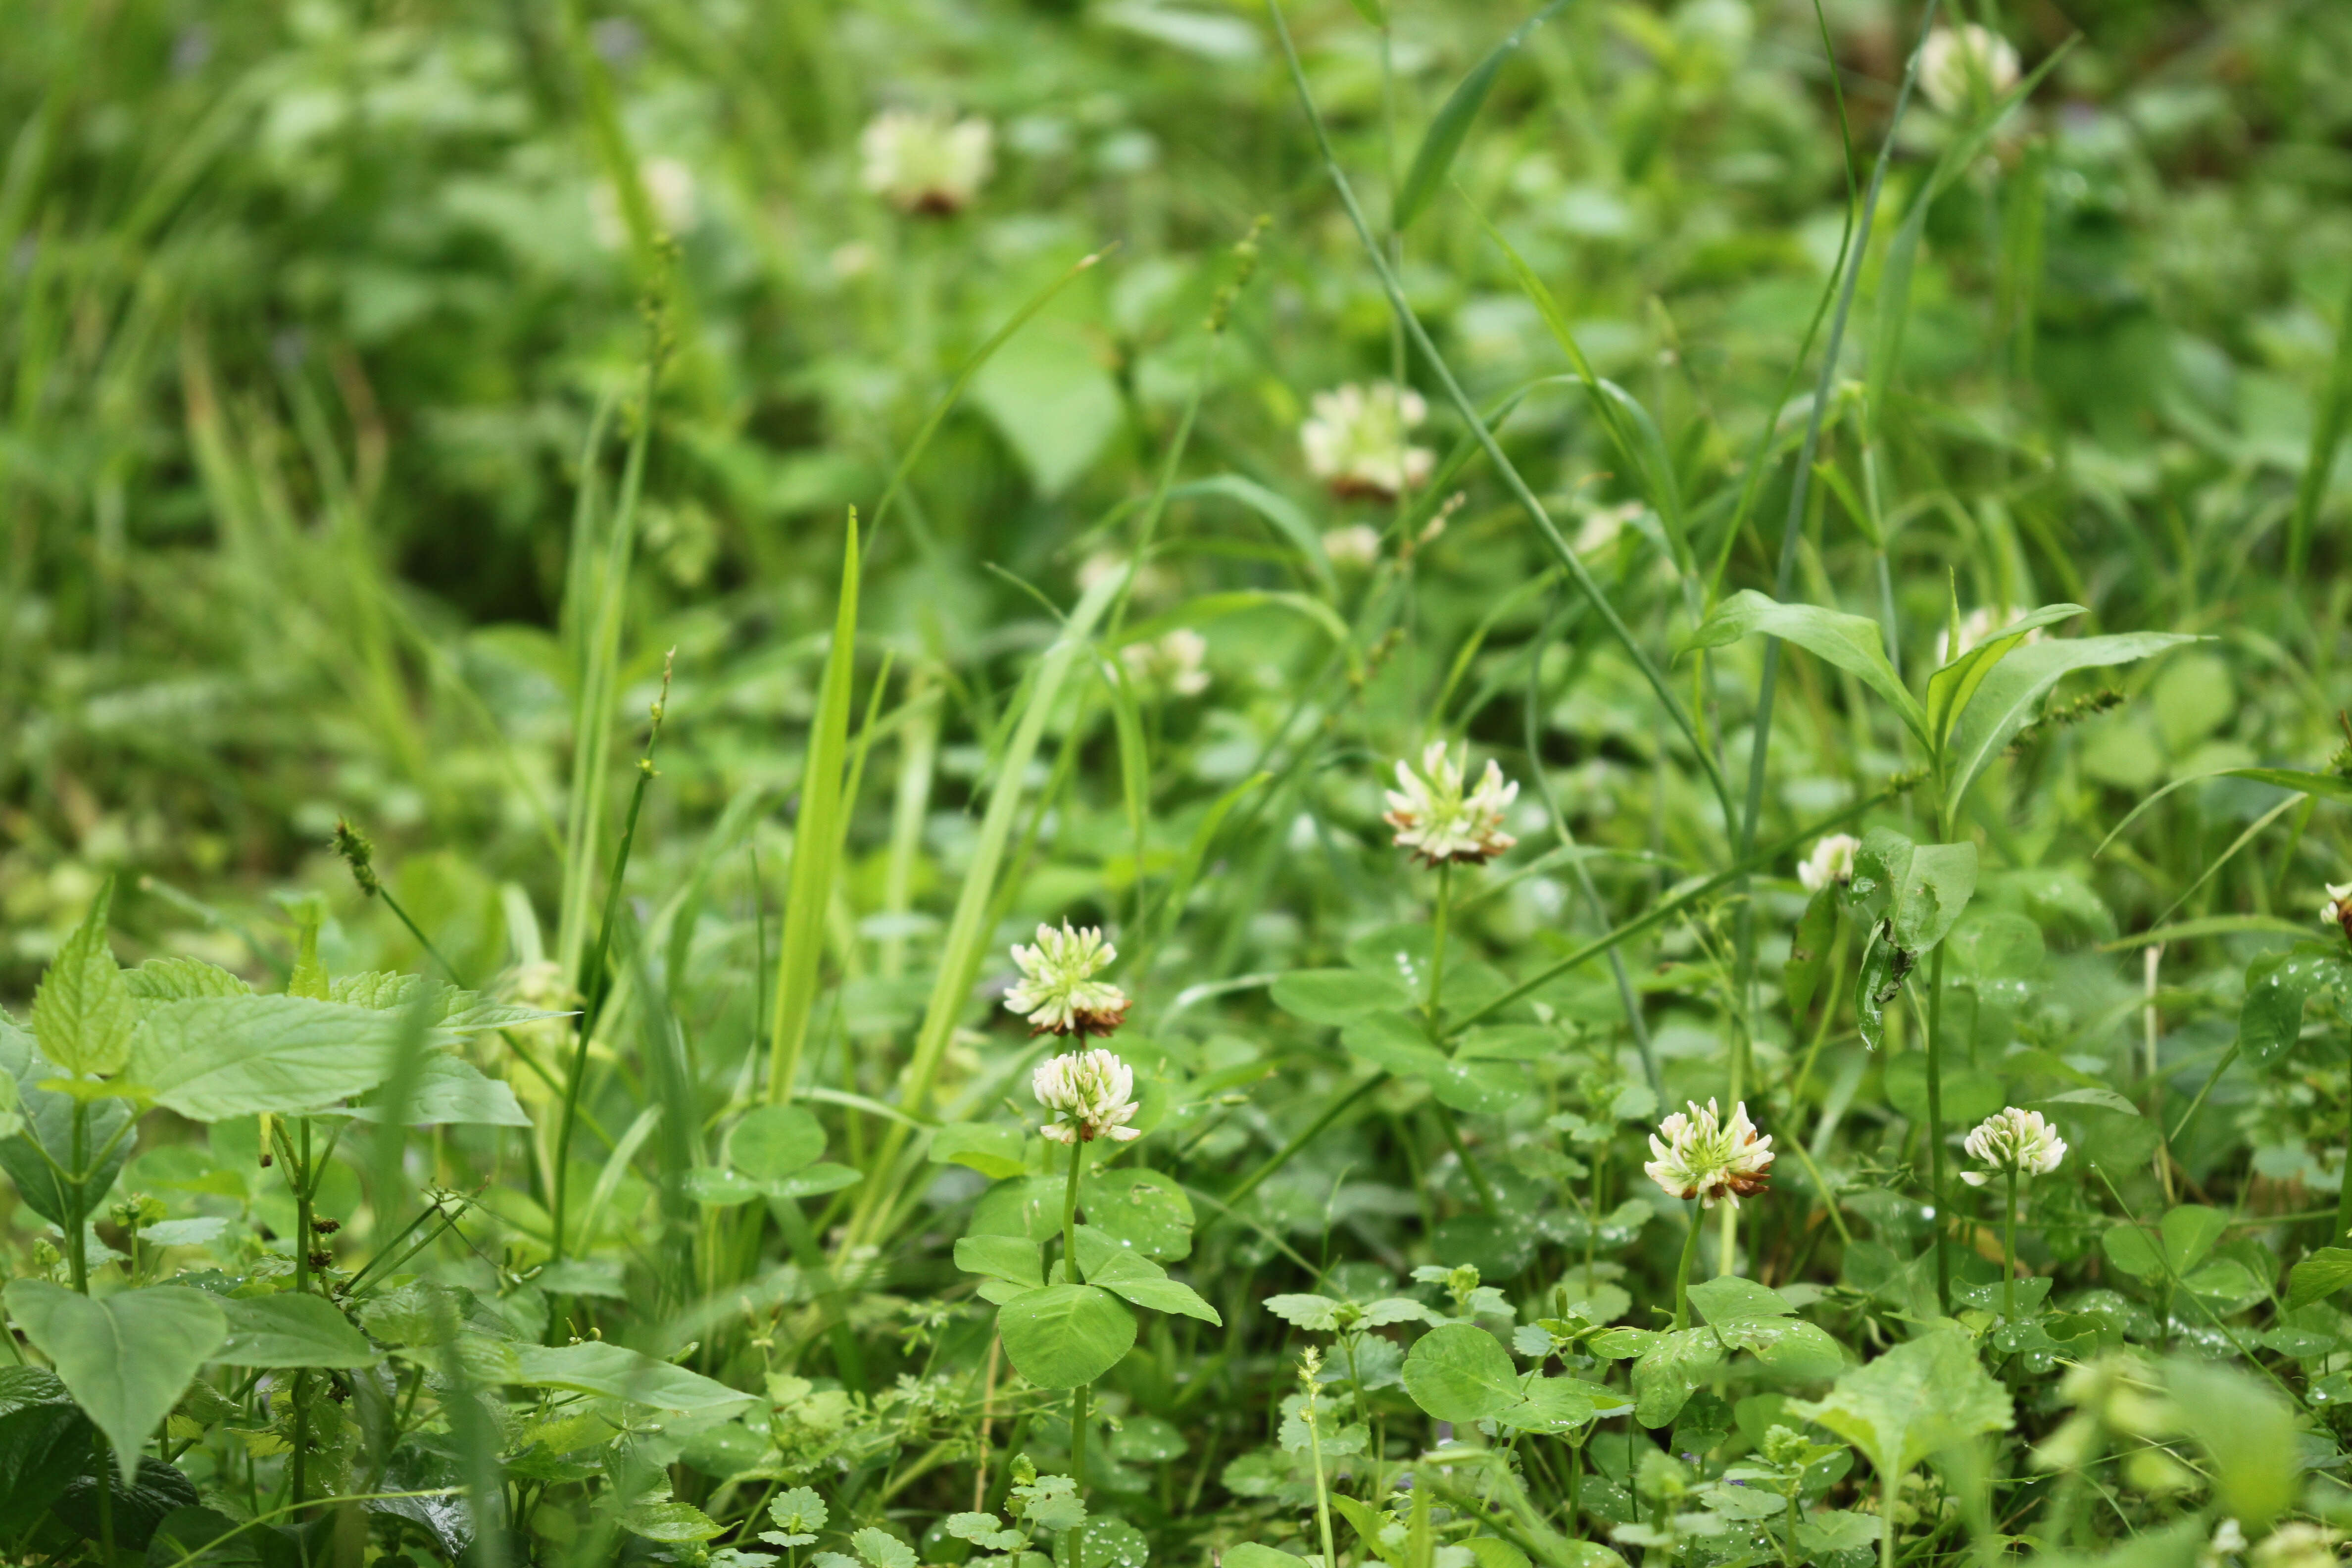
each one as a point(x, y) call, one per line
point(850, 785)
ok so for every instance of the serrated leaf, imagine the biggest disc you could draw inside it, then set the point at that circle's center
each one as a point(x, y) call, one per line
point(126, 1359)
point(220, 1057)
point(83, 1014)
point(597, 1366)
point(179, 979)
point(290, 1330)
point(1317, 1315)
point(882, 1549)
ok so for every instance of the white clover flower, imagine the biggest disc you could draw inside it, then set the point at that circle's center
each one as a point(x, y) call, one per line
point(1058, 992)
point(1357, 546)
point(1700, 1156)
point(2297, 1545)
point(1952, 56)
point(1355, 440)
point(1602, 526)
point(2229, 1541)
point(1435, 819)
point(668, 186)
point(1173, 661)
point(1091, 1095)
point(926, 163)
point(1977, 625)
point(1831, 861)
point(2337, 910)
point(2011, 1138)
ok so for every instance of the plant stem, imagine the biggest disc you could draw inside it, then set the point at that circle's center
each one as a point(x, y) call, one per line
point(77, 1226)
point(2009, 1252)
point(1683, 1268)
point(1936, 1126)
point(1070, 1269)
point(300, 1176)
point(1437, 933)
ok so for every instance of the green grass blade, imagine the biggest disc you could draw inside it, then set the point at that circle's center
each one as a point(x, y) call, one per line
point(2326, 435)
point(1443, 139)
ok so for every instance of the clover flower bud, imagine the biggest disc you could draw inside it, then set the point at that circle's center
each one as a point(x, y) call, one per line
point(1091, 1094)
point(1699, 1155)
point(1058, 990)
point(1355, 440)
point(1355, 547)
point(926, 163)
point(1952, 57)
point(1832, 860)
point(1438, 820)
point(2297, 1545)
point(2014, 1140)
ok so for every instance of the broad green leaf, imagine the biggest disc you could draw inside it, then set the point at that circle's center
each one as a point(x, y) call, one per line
point(669, 1521)
point(1885, 968)
point(1555, 1405)
point(772, 1142)
point(2318, 1277)
point(1443, 139)
point(1481, 1087)
point(133, 1512)
point(1338, 996)
point(1952, 687)
point(991, 1149)
point(1460, 1373)
point(45, 1442)
point(2189, 1232)
point(1922, 888)
point(2129, 1248)
point(83, 1014)
point(1064, 1335)
point(1921, 1397)
point(1727, 1298)
point(1249, 1553)
point(1009, 1258)
point(2012, 695)
point(2103, 1127)
point(823, 1177)
point(1669, 1371)
point(718, 1187)
point(1853, 643)
point(126, 1359)
point(598, 1366)
point(1144, 1209)
point(2248, 1431)
point(219, 1056)
point(1320, 1314)
point(1146, 1284)
point(289, 1330)
point(1396, 1043)
point(45, 1124)
point(1838, 1531)
point(452, 1091)
point(2270, 1019)
point(446, 1007)
point(882, 1549)
point(1789, 1346)
point(180, 979)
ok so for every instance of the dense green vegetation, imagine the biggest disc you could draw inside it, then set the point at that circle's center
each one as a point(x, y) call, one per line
point(1643, 699)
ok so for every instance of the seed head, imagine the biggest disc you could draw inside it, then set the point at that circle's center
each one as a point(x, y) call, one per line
point(1698, 1156)
point(1091, 1094)
point(1058, 992)
point(2011, 1138)
point(1438, 821)
point(358, 854)
point(1831, 861)
point(1355, 440)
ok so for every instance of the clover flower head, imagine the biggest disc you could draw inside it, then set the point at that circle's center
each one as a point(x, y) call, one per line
point(1975, 626)
point(925, 161)
point(2337, 910)
point(2297, 1545)
point(1091, 1095)
point(1355, 546)
point(1174, 662)
point(1699, 1155)
point(1831, 861)
point(1603, 526)
point(1355, 440)
point(2011, 1138)
point(1952, 56)
point(1058, 990)
point(1440, 819)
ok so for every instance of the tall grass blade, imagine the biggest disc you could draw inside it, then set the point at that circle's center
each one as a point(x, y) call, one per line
point(1442, 141)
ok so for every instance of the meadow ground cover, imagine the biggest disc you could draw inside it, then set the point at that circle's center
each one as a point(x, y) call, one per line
point(857, 784)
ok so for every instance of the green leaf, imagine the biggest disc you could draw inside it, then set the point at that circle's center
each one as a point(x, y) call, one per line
point(45, 1124)
point(1396, 1043)
point(882, 1549)
point(1669, 1371)
point(1012, 1258)
point(451, 1091)
point(178, 979)
point(135, 1511)
point(991, 1149)
point(1789, 1347)
point(199, 1537)
point(126, 1359)
point(1921, 887)
point(1338, 996)
point(2270, 1019)
point(1064, 1335)
point(1249, 1553)
point(825, 1176)
point(1951, 688)
point(220, 1057)
point(1146, 1284)
point(1885, 968)
point(1809, 953)
point(2189, 1232)
point(1727, 1298)
point(83, 1014)
point(598, 1366)
point(291, 1330)
point(1855, 644)
point(1144, 1209)
point(2250, 1434)
point(1288, 520)
point(2318, 1277)
point(1921, 1397)
point(1838, 1531)
point(772, 1142)
point(1443, 139)
point(2012, 695)
point(45, 1442)
point(669, 1521)
point(1556, 1406)
point(1459, 1373)
point(2129, 1248)
point(1317, 1315)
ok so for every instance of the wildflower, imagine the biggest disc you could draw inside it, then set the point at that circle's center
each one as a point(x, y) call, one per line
point(926, 163)
point(1700, 1156)
point(2297, 1545)
point(1953, 58)
point(1357, 545)
point(1831, 861)
point(1602, 526)
point(2229, 1541)
point(1091, 1094)
point(2014, 1140)
point(2337, 910)
point(1174, 660)
point(1437, 821)
point(1058, 992)
point(668, 186)
point(1355, 440)
point(1977, 625)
